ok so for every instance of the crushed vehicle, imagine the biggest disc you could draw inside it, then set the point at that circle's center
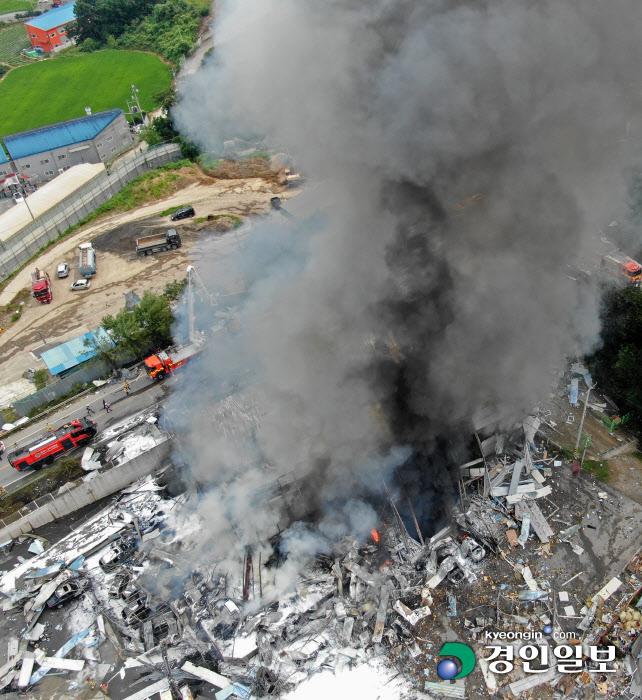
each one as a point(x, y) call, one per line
point(68, 591)
point(119, 584)
point(117, 553)
point(136, 608)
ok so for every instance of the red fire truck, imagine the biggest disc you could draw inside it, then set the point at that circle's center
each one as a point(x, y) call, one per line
point(41, 286)
point(160, 365)
point(49, 447)
point(623, 267)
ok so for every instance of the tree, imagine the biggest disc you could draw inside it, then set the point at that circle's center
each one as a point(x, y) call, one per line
point(162, 130)
point(617, 364)
point(147, 328)
point(166, 98)
point(97, 19)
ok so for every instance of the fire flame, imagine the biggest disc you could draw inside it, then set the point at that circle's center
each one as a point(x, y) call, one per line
point(386, 563)
point(375, 535)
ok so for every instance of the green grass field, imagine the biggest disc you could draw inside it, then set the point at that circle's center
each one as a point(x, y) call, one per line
point(12, 41)
point(58, 89)
point(15, 6)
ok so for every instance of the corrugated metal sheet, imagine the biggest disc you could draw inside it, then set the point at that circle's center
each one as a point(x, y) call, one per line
point(54, 18)
point(75, 351)
point(48, 138)
point(3, 156)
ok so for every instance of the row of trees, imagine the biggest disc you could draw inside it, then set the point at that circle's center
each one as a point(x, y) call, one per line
point(168, 27)
point(617, 365)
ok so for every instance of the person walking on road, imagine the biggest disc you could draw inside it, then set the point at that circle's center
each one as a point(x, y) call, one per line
point(126, 388)
point(108, 408)
point(90, 410)
point(104, 403)
point(50, 427)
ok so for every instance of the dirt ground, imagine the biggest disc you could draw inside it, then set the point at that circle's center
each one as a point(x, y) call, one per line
point(119, 268)
point(625, 470)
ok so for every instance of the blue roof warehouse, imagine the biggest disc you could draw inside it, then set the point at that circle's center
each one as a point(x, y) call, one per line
point(45, 152)
point(68, 357)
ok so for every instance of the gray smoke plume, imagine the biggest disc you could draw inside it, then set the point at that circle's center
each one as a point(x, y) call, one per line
point(462, 154)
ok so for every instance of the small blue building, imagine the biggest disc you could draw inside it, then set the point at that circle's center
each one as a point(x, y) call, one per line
point(68, 357)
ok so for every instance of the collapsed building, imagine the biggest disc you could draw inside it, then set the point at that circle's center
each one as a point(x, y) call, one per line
point(146, 614)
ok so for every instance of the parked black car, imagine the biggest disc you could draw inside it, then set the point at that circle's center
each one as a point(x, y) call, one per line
point(183, 213)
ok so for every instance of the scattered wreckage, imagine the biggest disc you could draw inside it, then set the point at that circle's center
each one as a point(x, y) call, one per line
point(179, 623)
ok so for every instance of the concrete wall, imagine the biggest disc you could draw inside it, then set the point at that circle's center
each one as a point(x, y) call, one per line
point(51, 507)
point(27, 242)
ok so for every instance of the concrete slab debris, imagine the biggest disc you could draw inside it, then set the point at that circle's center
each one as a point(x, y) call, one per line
point(34, 634)
point(514, 482)
point(161, 686)
point(526, 524)
point(381, 615)
point(541, 527)
point(609, 589)
point(206, 675)
point(12, 650)
point(62, 652)
point(531, 682)
point(450, 691)
point(65, 664)
point(25, 670)
point(36, 547)
point(411, 616)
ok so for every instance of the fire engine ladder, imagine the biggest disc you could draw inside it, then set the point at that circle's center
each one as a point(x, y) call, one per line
point(193, 279)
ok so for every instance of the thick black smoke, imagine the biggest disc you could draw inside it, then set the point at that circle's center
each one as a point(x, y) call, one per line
point(462, 154)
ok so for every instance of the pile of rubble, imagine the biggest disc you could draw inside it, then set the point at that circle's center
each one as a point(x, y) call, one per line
point(182, 623)
point(150, 616)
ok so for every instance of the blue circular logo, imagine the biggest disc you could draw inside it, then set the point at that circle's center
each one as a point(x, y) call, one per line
point(547, 629)
point(447, 669)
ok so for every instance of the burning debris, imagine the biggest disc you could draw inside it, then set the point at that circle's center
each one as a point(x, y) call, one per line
point(136, 584)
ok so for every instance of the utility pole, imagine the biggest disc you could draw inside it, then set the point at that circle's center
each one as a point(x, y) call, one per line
point(135, 97)
point(579, 432)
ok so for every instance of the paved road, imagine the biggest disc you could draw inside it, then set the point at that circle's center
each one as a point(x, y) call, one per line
point(144, 392)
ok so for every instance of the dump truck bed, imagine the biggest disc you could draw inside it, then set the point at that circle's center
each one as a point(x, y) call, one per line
point(151, 240)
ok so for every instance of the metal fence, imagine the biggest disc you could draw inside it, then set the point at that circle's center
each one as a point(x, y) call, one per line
point(24, 244)
point(96, 369)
